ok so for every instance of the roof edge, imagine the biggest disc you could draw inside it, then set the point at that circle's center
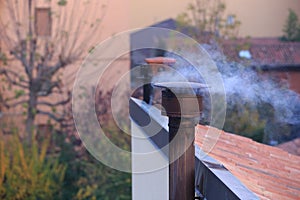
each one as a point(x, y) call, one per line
point(285, 67)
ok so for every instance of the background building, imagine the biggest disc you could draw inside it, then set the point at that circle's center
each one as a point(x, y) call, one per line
point(259, 18)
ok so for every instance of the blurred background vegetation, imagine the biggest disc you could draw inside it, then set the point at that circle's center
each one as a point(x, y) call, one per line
point(56, 165)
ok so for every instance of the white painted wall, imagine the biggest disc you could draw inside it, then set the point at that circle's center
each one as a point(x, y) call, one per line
point(153, 185)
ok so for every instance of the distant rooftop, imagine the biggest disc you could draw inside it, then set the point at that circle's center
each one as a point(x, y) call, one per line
point(264, 51)
point(292, 147)
point(168, 23)
point(268, 171)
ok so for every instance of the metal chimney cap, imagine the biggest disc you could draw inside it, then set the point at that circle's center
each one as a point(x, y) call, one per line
point(180, 85)
point(160, 60)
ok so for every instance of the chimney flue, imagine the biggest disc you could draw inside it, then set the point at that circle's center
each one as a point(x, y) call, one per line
point(182, 103)
point(148, 73)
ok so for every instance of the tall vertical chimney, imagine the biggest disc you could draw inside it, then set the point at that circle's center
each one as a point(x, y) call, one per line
point(182, 103)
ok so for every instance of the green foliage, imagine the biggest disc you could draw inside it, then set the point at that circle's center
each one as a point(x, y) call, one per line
point(245, 120)
point(292, 27)
point(101, 182)
point(62, 2)
point(208, 17)
point(87, 178)
point(27, 172)
point(67, 171)
point(19, 93)
point(3, 58)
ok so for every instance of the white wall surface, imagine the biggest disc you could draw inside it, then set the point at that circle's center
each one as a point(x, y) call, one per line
point(151, 185)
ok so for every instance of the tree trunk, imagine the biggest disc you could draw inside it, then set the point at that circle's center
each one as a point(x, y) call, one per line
point(32, 107)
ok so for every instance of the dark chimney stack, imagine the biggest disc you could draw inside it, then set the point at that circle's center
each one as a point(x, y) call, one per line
point(182, 103)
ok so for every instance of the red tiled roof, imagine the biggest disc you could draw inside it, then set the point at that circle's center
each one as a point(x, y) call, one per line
point(292, 147)
point(268, 171)
point(264, 51)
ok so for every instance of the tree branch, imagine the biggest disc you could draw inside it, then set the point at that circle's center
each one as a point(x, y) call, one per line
point(49, 52)
point(6, 73)
point(20, 58)
point(47, 87)
point(13, 98)
point(5, 37)
point(51, 115)
point(21, 79)
point(32, 53)
point(44, 72)
point(7, 105)
point(14, 18)
point(59, 103)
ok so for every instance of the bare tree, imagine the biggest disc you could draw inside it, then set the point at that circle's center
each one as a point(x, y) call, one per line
point(42, 37)
point(209, 19)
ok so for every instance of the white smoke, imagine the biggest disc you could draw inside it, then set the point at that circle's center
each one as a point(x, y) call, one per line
point(245, 86)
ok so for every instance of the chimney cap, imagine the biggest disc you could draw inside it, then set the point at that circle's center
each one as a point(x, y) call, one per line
point(180, 85)
point(160, 60)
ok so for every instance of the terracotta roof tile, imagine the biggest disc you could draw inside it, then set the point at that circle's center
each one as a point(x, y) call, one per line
point(264, 51)
point(268, 171)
